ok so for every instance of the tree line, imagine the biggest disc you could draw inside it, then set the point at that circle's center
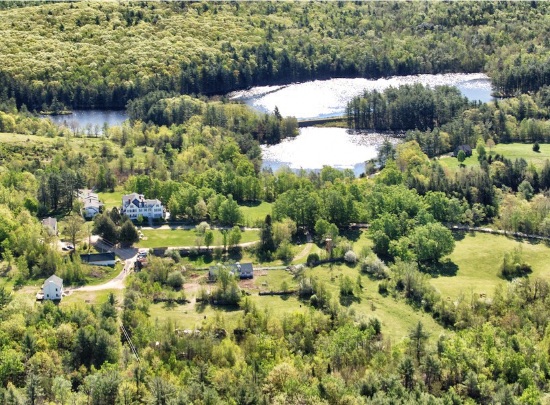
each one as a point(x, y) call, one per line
point(256, 44)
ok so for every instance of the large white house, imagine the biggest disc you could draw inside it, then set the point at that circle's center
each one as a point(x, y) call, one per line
point(52, 288)
point(134, 205)
point(91, 206)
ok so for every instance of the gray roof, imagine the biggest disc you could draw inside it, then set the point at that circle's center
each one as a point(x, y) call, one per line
point(51, 222)
point(54, 279)
point(92, 203)
point(240, 268)
point(97, 257)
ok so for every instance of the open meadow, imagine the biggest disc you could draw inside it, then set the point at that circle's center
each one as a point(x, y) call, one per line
point(510, 151)
point(186, 237)
point(474, 265)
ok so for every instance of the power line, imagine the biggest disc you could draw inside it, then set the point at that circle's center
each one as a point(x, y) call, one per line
point(132, 347)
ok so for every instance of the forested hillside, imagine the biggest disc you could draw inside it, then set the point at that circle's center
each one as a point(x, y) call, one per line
point(100, 55)
point(355, 273)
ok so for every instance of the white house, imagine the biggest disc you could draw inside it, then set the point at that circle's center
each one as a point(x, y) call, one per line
point(52, 288)
point(91, 206)
point(134, 205)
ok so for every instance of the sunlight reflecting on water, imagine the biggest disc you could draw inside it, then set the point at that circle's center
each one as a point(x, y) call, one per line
point(326, 98)
point(316, 147)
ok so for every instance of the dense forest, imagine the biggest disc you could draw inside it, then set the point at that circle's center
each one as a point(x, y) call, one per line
point(202, 158)
point(101, 55)
point(440, 119)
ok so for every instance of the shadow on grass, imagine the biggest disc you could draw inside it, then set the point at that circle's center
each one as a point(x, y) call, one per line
point(446, 268)
point(459, 235)
point(250, 203)
point(347, 300)
point(201, 306)
point(352, 234)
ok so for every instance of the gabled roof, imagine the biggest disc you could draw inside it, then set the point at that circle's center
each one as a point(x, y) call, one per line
point(234, 268)
point(464, 148)
point(51, 222)
point(85, 193)
point(55, 280)
point(92, 203)
point(138, 200)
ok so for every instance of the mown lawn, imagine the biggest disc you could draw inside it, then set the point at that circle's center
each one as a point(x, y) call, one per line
point(181, 237)
point(112, 199)
point(510, 151)
point(254, 214)
point(475, 263)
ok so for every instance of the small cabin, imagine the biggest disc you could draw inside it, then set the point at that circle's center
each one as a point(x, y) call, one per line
point(467, 149)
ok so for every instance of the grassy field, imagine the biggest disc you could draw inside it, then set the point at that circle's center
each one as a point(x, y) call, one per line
point(510, 151)
point(181, 237)
point(474, 265)
point(255, 213)
point(19, 138)
point(90, 297)
point(113, 199)
point(100, 275)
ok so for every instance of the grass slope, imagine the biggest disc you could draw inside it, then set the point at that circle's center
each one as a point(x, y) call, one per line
point(478, 257)
point(181, 237)
point(510, 151)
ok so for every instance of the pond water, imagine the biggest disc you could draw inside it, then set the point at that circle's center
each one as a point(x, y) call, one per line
point(317, 147)
point(90, 122)
point(314, 147)
point(328, 98)
point(337, 147)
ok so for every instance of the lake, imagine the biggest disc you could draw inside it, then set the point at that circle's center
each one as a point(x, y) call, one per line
point(90, 122)
point(314, 147)
point(318, 147)
point(337, 147)
point(328, 98)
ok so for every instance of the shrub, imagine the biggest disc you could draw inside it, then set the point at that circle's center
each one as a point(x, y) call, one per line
point(284, 252)
point(174, 255)
point(374, 267)
point(514, 265)
point(175, 280)
point(346, 286)
point(350, 257)
point(312, 259)
point(383, 288)
point(305, 288)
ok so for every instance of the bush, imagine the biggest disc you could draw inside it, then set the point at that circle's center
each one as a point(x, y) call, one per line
point(175, 280)
point(383, 288)
point(312, 259)
point(284, 252)
point(346, 286)
point(174, 255)
point(514, 265)
point(374, 267)
point(305, 288)
point(350, 257)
